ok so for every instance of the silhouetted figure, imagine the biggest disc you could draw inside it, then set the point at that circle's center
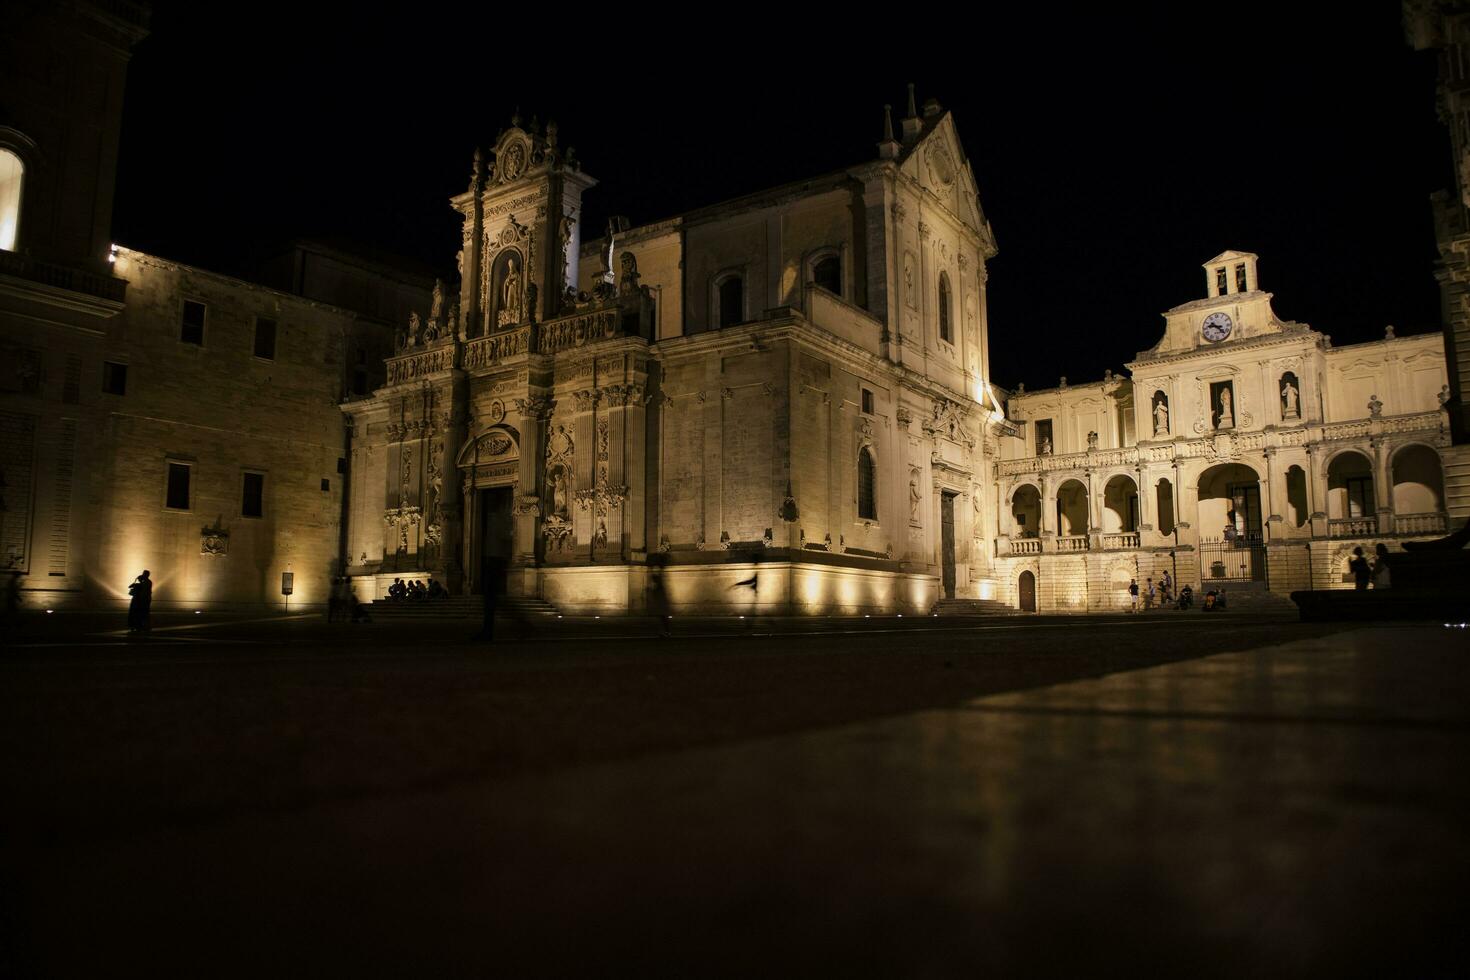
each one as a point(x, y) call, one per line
point(141, 602)
point(1381, 577)
point(1359, 567)
point(658, 601)
point(1186, 597)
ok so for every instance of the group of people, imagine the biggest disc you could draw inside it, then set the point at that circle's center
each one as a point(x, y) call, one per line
point(1161, 596)
point(414, 590)
point(1375, 573)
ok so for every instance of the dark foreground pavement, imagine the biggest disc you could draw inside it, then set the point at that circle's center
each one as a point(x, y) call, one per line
point(1052, 797)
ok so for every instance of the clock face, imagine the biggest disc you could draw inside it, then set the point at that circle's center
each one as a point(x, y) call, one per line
point(1216, 327)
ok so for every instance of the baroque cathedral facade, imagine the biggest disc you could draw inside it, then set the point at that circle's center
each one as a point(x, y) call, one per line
point(791, 387)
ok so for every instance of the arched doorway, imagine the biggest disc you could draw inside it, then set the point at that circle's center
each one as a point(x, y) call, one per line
point(1071, 509)
point(1352, 500)
point(1231, 548)
point(1026, 511)
point(1026, 586)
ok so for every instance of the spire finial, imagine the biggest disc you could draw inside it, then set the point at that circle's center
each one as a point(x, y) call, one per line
point(887, 123)
point(913, 109)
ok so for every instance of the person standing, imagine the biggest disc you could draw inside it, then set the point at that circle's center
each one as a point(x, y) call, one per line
point(1150, 594)
point(658, 601)
point(1133, 595)
point(1361, 572)
point(1381, 577)
point(1166, 587)
point(138, 606)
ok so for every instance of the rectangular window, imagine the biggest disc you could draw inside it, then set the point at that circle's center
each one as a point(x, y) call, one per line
point(326, 485)
point(252, 497)
point(1360, 497)
point(191, 330)
point(867, 402)
point(178, 486)
point(265, 338)
point(114, 378)
point(1043, 437)
point(1240, 278)
point(341, 464)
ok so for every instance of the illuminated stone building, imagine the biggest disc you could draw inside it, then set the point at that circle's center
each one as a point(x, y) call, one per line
point(1241, 450)
point(1443, 26)
point(792, 383)
point(154, 415)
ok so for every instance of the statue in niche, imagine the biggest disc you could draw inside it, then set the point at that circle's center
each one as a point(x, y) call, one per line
point(1046, 445)
point(1161, 417)
point(560, 493)
point(510, 295)
point(1290, 400)
point(1227, 416)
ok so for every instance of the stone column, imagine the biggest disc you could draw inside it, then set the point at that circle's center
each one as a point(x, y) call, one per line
point(535, 411)
point(1273, 496)
point(1048, 515)
point(1383, 486)
point(1317, 492)
point(1094, 513)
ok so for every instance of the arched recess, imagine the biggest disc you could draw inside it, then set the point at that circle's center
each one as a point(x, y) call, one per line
point(1418, 480)
point(946, 329)
point(12, 175)
point(1026, 510)
point(1026, 591)
point(824, 268)
point(1350, 490)
point(1164, 498)
point(729, 299)
point(1120, 505)
point(1230, 497)
point(867, 485)
point(1290, 391)
point(508, 289)
point(1297, 511)
point(1071, 509)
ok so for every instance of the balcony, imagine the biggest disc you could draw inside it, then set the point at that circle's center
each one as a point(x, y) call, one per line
point(1353, 527)
point(1414, 524)
point(1125, 539)
point(1025, 546)
point(1074, 543)
point(104, 287)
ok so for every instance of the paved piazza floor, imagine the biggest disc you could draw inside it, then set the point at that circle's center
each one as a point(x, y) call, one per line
point(1165, 795)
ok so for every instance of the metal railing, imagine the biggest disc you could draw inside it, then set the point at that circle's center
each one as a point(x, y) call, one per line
point(1240, 560)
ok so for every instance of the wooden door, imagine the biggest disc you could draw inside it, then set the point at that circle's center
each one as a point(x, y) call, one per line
point(1028, 592)
point(946, 523)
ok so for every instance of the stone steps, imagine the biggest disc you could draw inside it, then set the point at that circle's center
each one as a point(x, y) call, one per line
point(459, 607)
point(972, 607)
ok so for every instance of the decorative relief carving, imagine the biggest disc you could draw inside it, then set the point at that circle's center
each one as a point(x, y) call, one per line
point(214, 540)
point(408, 367)
point(602, 425)
point(497, 347)
point(584, 400)
point(528, 503)
point(537, 407)
point(575, 331)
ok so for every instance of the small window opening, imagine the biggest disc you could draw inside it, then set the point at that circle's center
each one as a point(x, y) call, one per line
point(265, 338)
point(192, 329)
point(178, 486)
point(114, 378)
point(252, 498)
point(867, 402)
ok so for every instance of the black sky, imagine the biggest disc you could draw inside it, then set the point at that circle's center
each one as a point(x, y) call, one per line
point(1113, 154)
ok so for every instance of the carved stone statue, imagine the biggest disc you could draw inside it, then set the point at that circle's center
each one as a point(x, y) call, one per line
point(453, 325)
point(1227, 415)
point(1091, 440)
point(414, 325)
point(1045, 446)
point(510, 295)
point(1290, 401)
point(1161, 418)
point(560, 493)
point(1375, 407)
point(914, 498)
point(436, 304)
point(628, 274)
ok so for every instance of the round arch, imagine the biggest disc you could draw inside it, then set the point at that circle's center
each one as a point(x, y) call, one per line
point(1417, 473)
point(1072, 509)
point(1230, 502)
point(1025, 505)
point(1351, 490)
point(1119, 504)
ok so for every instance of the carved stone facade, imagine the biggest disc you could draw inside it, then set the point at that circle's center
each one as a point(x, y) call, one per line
point(729, 388)
point(1242, 451)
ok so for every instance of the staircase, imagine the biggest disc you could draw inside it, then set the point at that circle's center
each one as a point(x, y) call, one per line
point(459, 607)
point(1250, 597)
point(972, 607)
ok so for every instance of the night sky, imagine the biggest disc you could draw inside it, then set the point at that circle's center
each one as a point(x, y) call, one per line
point(1113, 155)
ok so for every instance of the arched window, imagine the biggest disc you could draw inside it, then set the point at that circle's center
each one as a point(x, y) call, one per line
point(866, 482)
point(946, 334)
point(731, 290)
point(12, 170)
point(827, 273)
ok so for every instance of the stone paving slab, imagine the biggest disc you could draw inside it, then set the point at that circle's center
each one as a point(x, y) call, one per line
point(1296, 810)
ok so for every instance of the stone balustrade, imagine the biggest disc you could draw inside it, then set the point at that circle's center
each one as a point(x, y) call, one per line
point(1025, 546)
point(1421, 524)
point(1353, 527)
point(1125, 539)
point(1073, 543)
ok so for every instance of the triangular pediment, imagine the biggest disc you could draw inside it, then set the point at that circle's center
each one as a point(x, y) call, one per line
point(938, 162)
point(1230, 255)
